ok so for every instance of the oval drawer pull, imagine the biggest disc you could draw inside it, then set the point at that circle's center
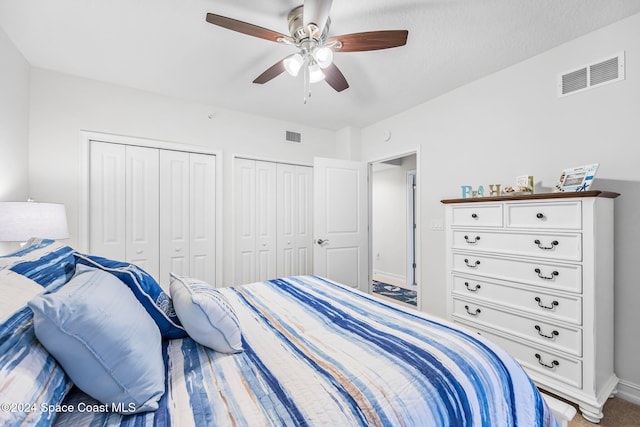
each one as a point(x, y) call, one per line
point(472, 242)
point(470, 289)
point(553, 305)
point(554, 363)
point(554, 333)
point(474, 215)
point(474, 265)
point(472, 313)
point(553, 274)
point(539, 215)
point(546, 248)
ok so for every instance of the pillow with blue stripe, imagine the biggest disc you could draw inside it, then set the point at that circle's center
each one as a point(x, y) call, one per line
point(31, 378)
point(47, 262)
point(148, 292)
point(104, 339)
point(206, 314)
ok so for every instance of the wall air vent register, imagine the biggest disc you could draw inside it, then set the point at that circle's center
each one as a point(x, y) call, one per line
point(590, 76)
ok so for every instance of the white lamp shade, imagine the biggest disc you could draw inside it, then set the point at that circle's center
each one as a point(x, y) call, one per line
point(315, 73)
point(323, 56)
point(20, 221)
point(293, 64)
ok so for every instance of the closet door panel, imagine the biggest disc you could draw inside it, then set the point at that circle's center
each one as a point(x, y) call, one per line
point(304, 219)
point(142, 206)
point(266, 237)
point(106, 200)
point(245, 221)
point(174, 215)
point(287, 261)
point(203, 216)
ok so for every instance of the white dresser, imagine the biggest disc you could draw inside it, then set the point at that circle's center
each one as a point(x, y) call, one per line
point(535, 275)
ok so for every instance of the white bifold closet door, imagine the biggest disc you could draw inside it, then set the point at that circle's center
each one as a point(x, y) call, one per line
point(187, 215)
point(295, 220)
point(154, 208)
point(271, 238)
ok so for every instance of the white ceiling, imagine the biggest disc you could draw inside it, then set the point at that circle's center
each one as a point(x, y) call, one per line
point(166, 46)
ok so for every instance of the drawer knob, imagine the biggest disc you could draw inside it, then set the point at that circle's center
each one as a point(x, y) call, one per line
point(554, 333)
point(546, 248)
point(473, 313)
point(472, 289)
point(553, 304)
point(472, 242)
point(474, 215)
point(553, 274)
point(539, 215)
point(474, 265)
point(553, 363)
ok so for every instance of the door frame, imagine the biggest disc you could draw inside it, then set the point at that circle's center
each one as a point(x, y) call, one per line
point(417, 216)
point(85, 157)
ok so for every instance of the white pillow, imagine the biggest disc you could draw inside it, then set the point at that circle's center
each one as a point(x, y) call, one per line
point(104, 339)
point(16, 291)
point(206, 314)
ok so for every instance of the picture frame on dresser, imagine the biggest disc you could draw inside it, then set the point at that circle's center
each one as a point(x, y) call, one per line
point(533, 273)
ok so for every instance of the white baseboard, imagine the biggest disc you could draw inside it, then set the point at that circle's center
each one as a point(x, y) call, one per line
point(390, 278)
point(629, 391)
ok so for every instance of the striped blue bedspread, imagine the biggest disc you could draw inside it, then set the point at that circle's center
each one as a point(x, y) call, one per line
point(318, 353)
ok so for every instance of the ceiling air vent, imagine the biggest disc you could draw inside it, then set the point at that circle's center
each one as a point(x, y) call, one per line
point(293, 137)
point(608, 71)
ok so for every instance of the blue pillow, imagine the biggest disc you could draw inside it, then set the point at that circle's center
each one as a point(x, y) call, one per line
point(47, 262)
point(31, 377)
point(147, 291)
point(104, 339)
point(206, 314)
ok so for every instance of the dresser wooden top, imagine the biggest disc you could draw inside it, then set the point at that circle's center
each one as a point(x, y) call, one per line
point(541, 196)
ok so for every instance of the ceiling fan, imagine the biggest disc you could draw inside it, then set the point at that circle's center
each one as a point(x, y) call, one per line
point(309, 27)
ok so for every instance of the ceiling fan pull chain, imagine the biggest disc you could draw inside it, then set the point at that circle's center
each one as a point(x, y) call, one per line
point(307, 83)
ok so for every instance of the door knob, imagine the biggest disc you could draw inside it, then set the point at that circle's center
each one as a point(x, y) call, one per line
point(322, 241)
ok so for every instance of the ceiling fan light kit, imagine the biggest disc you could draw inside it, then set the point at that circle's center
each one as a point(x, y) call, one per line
point(309, 26)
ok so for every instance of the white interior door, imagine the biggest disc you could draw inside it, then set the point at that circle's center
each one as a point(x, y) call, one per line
point(340, 222)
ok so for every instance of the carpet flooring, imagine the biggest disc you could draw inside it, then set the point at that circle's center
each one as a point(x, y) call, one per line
point(617, 413)
point(397, 293)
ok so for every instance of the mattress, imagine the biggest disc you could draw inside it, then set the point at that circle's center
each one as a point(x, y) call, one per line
point(317, 353)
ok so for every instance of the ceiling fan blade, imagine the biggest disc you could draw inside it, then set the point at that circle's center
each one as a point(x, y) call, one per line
point(270, 73)
point(246, 28)
point(316, 12)
point(371, 40)
point(334, 77)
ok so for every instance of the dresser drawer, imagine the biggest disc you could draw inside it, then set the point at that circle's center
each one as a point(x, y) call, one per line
point(566, 277)
point(477, 216)
point(540, 362)
point(534, 301)
point(544, 245)
point(545, 334)
point(544, 215)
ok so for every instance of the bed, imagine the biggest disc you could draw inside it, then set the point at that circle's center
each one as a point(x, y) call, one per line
point(312, 353)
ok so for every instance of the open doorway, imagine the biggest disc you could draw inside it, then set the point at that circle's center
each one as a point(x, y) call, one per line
point(393, 229)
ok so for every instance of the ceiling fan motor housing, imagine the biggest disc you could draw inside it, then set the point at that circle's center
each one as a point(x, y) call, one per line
point(300, 33)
